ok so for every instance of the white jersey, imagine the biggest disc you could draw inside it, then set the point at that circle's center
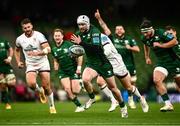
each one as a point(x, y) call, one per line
point(32, 43)
point(113, 56)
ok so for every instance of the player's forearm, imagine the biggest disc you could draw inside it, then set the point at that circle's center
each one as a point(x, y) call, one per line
point(17, 56)
point(80, 60)
point(134, 48)
point(146, 52)
point(169, 44)
point(104, 26)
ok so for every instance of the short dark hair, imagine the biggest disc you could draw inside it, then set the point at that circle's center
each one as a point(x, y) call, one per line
point(169, 27)
point(25, 21)
point(146, 24)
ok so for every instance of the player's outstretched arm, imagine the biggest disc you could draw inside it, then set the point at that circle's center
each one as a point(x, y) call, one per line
point(103, 25)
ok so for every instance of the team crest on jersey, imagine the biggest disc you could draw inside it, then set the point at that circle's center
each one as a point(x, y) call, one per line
point(156, 38)
point(30, 48)
point(116, 41)
point(126, 42)
point(65, 50)
point(2, 45)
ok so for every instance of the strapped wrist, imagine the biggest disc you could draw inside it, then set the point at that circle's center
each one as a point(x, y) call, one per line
point(79, 68)
point(9, 58)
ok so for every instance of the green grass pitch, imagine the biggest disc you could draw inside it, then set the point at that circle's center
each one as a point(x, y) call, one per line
point(38, 114)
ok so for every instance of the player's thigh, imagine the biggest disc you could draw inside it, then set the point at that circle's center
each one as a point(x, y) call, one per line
point(45, 78)
point(31, 78)
point(177, 80)
point(75, 86)
point(88, 74)
point(111, 82)
point(66, 83)
point(100, 81)
point(159, 74)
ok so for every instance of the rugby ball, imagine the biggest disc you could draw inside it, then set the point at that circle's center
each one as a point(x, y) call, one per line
point(76, 50)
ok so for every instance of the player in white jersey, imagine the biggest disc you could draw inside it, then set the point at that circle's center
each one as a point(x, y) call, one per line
point(120, 70)
point(35, 49)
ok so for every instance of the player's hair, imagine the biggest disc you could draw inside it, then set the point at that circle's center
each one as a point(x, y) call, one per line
point(58, 30)
point(25, 21)
point(146, 23)
point(169, 27)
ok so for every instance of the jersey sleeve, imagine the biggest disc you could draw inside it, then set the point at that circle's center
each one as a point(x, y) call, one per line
point(42, 38)
point(17, 43)
point(7, 45)
point(104, 39)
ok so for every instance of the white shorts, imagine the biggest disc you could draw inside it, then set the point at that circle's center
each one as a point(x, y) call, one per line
point(43, 66)
point(162, 70)
point(119, 67)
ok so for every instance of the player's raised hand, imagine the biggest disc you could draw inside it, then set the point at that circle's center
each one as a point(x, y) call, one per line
point(76, 39)
point(97, 14)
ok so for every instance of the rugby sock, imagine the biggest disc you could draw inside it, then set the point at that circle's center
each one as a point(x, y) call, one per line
point(165, 98)
point(5, 96)
point(136, 92)
point(51, 100)
point(37, 88)
point(76, 101)
point(108, 93)
point(122, 104)
point(91, 95)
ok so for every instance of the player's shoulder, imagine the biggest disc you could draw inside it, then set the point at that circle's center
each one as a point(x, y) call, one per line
point(20, 37)
point(37, 33)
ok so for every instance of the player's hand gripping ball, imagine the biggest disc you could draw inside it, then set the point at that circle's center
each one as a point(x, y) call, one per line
point(76, 50)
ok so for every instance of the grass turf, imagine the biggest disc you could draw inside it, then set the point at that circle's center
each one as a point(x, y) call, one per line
point(38, 114)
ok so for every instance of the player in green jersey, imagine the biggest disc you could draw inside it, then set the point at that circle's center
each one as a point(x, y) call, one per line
point(7, 77)
point(161, 42)
point(96, 64)
point(69, 68)
point(176, 48)
point(125, 46)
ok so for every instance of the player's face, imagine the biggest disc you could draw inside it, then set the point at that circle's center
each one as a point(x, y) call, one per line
point(82, 27)
point(119, 31)
point(147, 34)
point(58, 37)
point(171, 32)
point(27, 29)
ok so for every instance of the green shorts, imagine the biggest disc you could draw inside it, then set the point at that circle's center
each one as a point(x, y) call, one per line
point(173, 68)
point(131, 70)
point(104, 70)
point(6, 69)
point(68, 73)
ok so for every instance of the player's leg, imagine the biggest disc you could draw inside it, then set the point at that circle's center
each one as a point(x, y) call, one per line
point(159, 75)
point(45, 81)
point(177, 80)
point(103, 86)
point(117, 93)
point(131, 102)
point(75, 87)
point(87, 76)
point(126, 82)
point(5, 95)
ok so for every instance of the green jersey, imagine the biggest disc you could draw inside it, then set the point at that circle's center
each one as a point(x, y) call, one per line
point(95, 57)
point(127, 55)
point(61, 53)
point(165, 56)
point(176, 48)
point(93, 38)
point(4, 47)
